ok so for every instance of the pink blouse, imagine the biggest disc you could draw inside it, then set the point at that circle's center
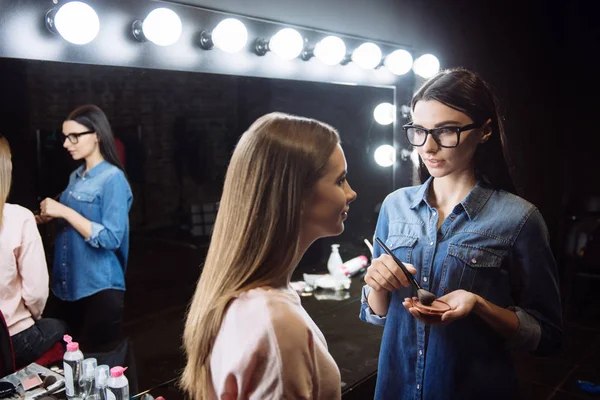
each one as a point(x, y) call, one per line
point(269, 348)
point(23, 269)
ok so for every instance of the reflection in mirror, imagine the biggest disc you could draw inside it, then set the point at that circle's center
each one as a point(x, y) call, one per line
point(175, 132)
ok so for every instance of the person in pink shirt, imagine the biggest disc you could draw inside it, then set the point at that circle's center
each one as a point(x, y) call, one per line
point(23, 275)
point(247, 335)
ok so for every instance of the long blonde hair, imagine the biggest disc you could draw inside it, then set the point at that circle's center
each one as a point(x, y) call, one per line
point(5, 173)
point(274, 167)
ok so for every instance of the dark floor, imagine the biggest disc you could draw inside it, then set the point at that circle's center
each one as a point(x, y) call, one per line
point(160, 284)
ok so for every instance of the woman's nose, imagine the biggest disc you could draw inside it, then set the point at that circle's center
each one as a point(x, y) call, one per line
point(351, 195)
point(430, 145)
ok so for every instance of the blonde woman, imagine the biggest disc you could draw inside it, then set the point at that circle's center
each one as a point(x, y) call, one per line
point(246, 334)
point(23, 275)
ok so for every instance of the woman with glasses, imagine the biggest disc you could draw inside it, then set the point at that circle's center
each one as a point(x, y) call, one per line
point(23, 276)
point(471, 242)
point(92, 242)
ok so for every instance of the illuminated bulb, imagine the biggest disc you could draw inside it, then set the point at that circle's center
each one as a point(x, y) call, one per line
point(367, 55)
point(162, 27)
point(287, 43)
point(384, 113)
point(414, 157)
point(426, 66)
point(331, 50)
point(230, 35)
point(385, 155)
point(399, 62)
point(76, 22)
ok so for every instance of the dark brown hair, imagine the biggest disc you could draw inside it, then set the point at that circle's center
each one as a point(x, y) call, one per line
point(93, 118)
point(467, 92)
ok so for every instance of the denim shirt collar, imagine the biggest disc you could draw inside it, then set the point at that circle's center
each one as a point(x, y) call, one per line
point(472, 204)
point(98, 169)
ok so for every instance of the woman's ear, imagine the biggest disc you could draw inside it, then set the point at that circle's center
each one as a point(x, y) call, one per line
point(487, 131)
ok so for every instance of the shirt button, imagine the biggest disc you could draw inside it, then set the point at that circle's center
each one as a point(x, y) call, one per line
point(431, 244)
point(78, 197)
point(70, 192)
point(418, 386)
point(420, 352)
point(434, 213)
point(424, 279)
point(474, 261)
point(64, 264)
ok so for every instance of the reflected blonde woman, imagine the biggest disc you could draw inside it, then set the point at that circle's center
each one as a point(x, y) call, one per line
point(247, 335)
point(23, 275)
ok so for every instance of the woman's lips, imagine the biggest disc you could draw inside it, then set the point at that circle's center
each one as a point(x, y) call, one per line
point(434, 163)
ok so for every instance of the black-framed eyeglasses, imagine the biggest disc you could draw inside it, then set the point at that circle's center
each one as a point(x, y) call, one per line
point(74, 137)
point(446, 136)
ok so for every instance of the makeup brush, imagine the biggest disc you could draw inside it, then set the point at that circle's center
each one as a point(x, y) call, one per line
point(425, 297)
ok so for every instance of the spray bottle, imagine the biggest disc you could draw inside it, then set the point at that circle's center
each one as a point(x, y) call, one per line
point(87, 377)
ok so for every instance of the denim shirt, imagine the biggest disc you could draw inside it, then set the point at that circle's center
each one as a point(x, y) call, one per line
point(84, 266)
point(493, 244)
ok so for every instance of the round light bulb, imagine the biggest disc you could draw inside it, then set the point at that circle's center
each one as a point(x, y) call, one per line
point(399, 62)
point(426, 66)
point(414, 157)
point(385, 155)
point(77, 22)
point(367, 55)
point(384, 113)
point(287, 43)
point(230, 35)
point(331, 50)
point(162, 27)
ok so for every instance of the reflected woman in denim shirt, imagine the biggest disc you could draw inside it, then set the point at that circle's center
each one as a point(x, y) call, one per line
point(473, 243)
point(92, 241)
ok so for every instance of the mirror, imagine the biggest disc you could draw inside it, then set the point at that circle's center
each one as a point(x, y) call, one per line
point(178, 130)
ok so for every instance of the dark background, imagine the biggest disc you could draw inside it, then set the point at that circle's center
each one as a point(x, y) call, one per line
point(540, 56)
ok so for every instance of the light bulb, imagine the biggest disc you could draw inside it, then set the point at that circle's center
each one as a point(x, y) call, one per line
point(230, 35)
point(367, 55)
point(287, 43)
point(414, 157)
point(77, 22)
point(331, 50)
point(426, 66)
point(385, 155)
point(384, 113)
point(399, 62)
point(162, 27)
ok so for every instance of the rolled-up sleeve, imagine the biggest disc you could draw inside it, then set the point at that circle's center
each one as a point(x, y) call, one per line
point(366, 314)
point(116, 202)
point(538, 304)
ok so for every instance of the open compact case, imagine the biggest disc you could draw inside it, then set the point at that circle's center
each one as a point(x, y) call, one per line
point(432, 313)
point(438, 307)
point(32, 382)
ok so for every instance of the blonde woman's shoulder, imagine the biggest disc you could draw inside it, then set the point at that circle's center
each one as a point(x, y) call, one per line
point(17, 213)
point(272, 348)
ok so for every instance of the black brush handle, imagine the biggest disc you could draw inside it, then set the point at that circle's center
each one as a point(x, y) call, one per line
point(409, 276)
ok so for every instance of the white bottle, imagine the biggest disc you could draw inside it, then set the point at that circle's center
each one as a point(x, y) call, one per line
point(334, 264)
point(118, 385)
point(72, 364)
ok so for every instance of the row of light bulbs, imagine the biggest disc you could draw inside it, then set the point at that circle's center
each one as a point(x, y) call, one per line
point(78, 23)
